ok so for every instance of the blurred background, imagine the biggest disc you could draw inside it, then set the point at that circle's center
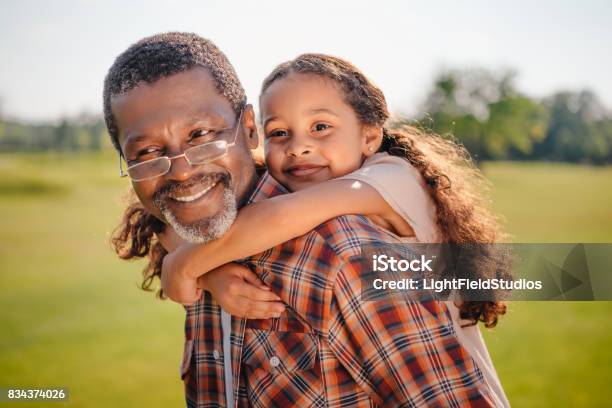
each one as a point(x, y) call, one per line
point(526, 87)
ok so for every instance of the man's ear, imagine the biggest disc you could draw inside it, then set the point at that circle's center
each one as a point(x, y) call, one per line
point(371, 140)
point(250, 127)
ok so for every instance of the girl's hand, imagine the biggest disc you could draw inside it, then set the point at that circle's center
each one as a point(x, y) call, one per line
point(176, 283)
point(240, 292)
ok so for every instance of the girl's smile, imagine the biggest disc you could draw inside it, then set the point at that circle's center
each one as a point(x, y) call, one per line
point(304, 170)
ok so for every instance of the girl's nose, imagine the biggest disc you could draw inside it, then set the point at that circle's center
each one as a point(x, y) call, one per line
point(298, 146)
point(297, 152)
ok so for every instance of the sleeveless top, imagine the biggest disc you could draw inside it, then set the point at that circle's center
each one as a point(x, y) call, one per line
point(402, 187)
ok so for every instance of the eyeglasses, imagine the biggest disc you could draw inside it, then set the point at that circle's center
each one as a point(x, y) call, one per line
point(195, 156)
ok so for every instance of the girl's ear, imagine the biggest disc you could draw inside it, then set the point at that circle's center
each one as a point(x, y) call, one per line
point(371, 140)
point(250, 127)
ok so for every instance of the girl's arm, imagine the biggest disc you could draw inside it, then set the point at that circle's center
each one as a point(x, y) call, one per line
point(270, 222)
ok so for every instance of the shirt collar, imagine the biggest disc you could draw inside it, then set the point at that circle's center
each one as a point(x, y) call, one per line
point(266, 187)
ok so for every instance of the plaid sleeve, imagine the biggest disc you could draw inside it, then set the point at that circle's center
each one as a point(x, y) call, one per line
point(400, 353)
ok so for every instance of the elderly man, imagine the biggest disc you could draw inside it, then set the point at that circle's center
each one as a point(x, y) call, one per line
point(177, 114)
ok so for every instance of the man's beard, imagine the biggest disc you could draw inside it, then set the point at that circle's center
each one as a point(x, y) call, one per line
point(208, 228)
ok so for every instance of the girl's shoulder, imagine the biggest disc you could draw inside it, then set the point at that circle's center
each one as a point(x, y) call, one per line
point(383, 164)
point(394, 172)
point(403, 187)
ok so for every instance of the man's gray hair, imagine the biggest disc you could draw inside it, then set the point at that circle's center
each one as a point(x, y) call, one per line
point(163, 55)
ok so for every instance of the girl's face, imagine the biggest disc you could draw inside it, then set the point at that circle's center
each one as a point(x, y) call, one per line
point(311, 133)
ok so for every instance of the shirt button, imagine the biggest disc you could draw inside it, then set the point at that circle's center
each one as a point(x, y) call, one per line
point(216, 355)
point(274, 361)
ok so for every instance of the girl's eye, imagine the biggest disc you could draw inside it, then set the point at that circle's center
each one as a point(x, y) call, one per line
point(277, 133)
point(320, 127)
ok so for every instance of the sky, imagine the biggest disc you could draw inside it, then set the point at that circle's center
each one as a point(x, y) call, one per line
point(54, 55)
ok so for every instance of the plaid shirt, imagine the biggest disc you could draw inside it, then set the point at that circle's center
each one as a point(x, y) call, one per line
point(329, 348)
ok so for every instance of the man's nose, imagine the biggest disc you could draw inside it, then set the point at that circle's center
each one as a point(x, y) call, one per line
point(299, 145)
point(180, 169)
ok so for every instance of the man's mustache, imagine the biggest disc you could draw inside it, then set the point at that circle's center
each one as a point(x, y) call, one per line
point(200, 179)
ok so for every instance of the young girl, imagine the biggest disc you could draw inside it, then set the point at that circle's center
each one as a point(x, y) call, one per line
point(327, 143)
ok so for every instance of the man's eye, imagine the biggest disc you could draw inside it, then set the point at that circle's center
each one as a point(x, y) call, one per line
point(320, 127)
point(277, 133)
point(200, 133)
point(145, 154)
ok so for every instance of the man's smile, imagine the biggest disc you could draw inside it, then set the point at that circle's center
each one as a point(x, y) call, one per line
point(193, 193)
point(194, 199)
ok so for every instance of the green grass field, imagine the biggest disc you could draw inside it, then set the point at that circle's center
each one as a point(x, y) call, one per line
point(72, 315)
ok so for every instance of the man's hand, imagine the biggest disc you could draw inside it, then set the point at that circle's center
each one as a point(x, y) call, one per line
point(240, 292)
point(176, 283)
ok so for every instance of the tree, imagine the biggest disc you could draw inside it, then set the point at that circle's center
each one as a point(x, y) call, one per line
point(578, 131)
point(486, 112)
